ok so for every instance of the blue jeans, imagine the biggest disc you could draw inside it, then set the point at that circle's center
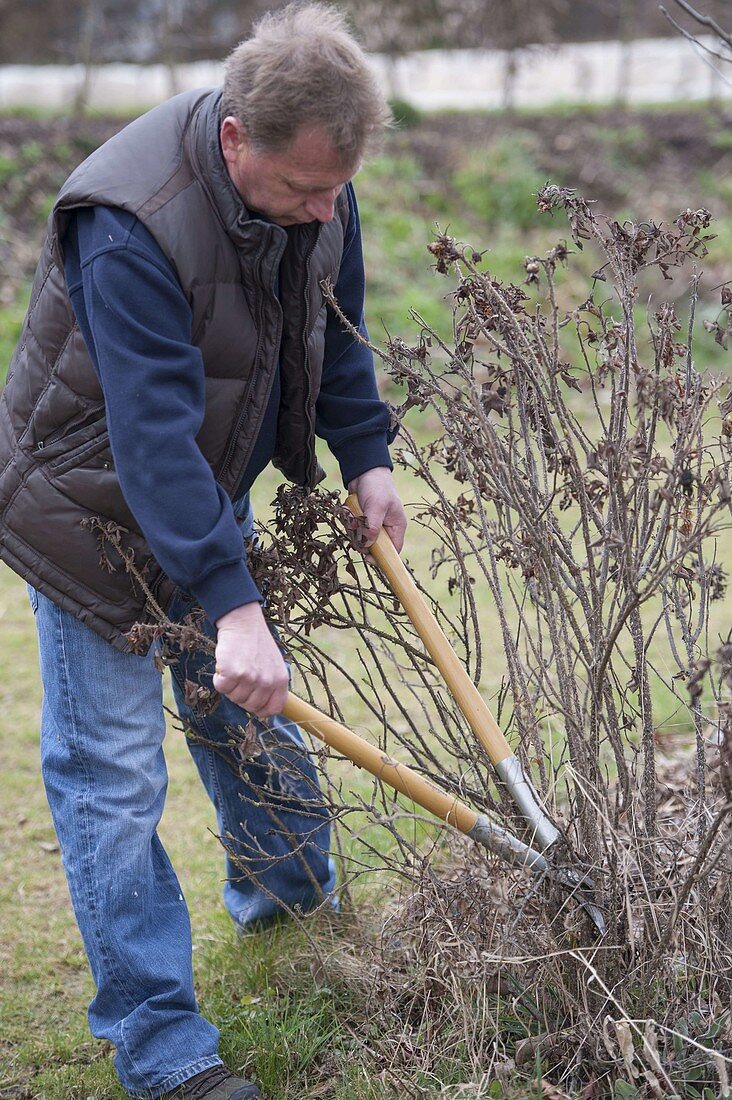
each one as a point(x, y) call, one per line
point(102, 730)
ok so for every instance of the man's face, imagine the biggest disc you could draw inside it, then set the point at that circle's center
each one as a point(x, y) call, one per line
point(298, 184)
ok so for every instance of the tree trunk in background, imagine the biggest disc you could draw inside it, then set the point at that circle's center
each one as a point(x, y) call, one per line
point(86, 56)
point(626, 34)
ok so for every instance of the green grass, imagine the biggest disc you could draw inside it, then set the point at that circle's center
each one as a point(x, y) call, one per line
point(484, 203)
point(500, 189)
point(8, 165)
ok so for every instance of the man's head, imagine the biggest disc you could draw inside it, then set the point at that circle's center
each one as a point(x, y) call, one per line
point(300, 109)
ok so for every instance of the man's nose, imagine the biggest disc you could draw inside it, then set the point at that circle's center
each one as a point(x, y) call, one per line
point(321, 207)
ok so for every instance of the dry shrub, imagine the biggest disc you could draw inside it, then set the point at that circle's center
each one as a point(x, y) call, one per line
point(580, 478)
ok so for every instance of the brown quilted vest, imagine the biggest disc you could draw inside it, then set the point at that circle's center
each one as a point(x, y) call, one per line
point(56, 468)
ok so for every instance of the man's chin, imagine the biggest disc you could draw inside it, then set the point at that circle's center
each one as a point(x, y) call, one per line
point(283, 220)
point(287, 222)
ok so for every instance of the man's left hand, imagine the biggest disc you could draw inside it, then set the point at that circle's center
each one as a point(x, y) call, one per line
point(380, 504)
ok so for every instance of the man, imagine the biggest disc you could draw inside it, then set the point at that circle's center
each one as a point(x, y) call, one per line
point(175, 343)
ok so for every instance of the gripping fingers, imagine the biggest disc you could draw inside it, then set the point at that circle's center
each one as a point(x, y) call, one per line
point(262, 697)
point(250, 669)
point(396, 534)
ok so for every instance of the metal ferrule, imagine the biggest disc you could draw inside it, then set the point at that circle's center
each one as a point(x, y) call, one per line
point(506, 845)
point(524, 795)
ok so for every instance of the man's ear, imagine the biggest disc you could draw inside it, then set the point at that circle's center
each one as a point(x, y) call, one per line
point(232, 136)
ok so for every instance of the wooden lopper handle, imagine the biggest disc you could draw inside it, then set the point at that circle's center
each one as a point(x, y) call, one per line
point(376, 761)
point(463, 690)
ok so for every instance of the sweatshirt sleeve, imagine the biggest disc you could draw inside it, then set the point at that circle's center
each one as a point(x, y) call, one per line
point(136, 323)
point(349, 414)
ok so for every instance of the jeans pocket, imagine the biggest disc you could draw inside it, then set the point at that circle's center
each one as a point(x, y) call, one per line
point(245, 518)
point(33, 597)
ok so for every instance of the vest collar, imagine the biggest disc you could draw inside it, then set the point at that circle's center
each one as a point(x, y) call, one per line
point(210, 168)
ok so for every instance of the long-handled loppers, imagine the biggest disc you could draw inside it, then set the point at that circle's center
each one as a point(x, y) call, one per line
point(545, 834)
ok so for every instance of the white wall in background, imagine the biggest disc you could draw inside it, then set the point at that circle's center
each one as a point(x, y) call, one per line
point(646, 71)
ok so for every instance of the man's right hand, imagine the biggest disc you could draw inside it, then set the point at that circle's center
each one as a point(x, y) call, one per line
point(250, 669)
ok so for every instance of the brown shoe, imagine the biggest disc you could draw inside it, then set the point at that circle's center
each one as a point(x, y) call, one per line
point(216, 1083)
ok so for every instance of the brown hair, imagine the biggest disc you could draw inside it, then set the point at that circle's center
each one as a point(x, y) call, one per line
point(302, 67)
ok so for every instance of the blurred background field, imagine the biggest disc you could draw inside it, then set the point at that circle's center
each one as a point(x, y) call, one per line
point(474, 175)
